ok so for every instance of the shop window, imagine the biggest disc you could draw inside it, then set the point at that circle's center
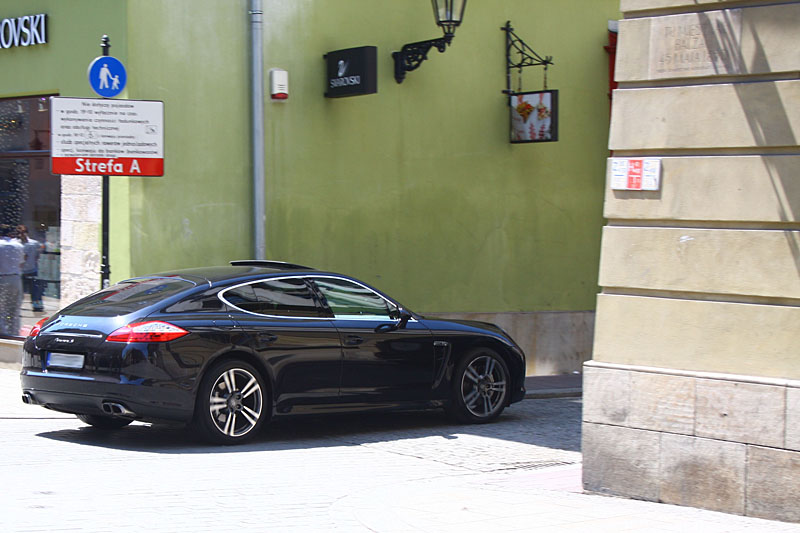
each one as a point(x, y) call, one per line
point(30, 208)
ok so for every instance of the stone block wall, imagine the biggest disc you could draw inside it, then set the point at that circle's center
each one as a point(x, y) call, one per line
point(692, 396)
point(715, 441)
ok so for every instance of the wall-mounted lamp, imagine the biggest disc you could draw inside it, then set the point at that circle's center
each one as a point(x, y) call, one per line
point(449, 14)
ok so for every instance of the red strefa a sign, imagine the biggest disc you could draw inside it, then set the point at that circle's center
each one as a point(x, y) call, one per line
point(103, 137)
point(122, 166)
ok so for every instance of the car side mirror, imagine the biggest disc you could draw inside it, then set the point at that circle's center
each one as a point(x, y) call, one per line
point(405, 316)
point(399, 314)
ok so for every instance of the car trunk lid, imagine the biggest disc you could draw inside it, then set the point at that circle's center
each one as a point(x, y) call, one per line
point(76, 333)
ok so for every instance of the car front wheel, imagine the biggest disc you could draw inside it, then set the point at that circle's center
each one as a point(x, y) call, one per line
point(232, 404)
point(480, 387)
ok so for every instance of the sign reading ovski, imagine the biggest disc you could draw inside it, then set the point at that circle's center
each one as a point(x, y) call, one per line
point(28, 30)
point(107, 137)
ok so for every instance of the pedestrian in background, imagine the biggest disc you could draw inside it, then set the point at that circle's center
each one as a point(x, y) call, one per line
point(30, 269)
point(12, 257)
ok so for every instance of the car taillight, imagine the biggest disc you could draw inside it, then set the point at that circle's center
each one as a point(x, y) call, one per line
point(154, 331)
point(38, 327)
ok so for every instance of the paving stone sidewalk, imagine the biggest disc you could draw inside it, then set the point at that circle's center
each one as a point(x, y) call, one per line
point(405, 472)
point(559, 386)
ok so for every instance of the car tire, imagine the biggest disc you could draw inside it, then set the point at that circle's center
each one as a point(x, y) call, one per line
point(104, 422)
point(480, 387)
point(232, 403)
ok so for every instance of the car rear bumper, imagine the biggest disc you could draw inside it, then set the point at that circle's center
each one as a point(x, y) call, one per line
point(80, 394)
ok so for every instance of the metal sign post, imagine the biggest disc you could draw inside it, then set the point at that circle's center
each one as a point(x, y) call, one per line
point(105, 267)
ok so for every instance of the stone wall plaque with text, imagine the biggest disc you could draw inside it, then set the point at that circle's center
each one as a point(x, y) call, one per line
point(696, 44)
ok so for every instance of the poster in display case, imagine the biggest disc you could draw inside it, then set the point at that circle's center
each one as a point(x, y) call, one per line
point(534, 116)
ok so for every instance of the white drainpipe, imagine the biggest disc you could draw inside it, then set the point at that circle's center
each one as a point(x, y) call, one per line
point(257, 99)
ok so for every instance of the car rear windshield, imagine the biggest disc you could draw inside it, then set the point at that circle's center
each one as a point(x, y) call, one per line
point(127, 297)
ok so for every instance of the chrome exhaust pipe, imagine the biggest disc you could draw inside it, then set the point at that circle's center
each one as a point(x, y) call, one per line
point(117, 409)
point(28, 399)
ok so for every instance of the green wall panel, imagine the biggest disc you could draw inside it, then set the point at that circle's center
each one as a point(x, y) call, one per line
point(194, 57)
point(75, 28)
point(415, 188)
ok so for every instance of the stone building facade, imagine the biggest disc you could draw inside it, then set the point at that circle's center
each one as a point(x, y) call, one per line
point(81, 215)
point(693, 395)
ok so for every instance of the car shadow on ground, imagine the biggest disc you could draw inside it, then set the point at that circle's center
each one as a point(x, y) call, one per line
point(550, 423)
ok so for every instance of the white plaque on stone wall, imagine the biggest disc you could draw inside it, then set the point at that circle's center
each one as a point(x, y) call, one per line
point(696, 44)
point(634, 174)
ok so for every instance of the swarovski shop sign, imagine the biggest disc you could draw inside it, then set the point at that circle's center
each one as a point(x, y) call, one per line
point(27, 30)
point(351, 72)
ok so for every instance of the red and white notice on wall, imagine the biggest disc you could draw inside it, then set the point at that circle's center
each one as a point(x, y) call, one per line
point(631, 174)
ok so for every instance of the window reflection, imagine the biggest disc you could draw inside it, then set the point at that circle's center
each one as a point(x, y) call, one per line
point(30, 205)
point(349, 300)
point(289, 297)
point(25, 124)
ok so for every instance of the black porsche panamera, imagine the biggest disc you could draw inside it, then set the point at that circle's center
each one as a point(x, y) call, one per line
point(227, 348)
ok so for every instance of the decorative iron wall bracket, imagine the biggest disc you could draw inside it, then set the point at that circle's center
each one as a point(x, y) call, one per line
point(411, 56)
point(527, 56)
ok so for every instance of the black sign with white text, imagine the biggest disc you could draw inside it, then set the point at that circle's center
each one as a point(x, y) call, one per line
point(352, 72)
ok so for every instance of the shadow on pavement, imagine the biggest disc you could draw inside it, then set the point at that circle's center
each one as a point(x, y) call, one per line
point(552, 423)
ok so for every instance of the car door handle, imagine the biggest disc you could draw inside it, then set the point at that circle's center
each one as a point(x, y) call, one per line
point(353, 340)
point(266, 338)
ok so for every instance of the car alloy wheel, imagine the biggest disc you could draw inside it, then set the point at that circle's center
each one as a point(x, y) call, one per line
point(233, 406)
point(481, 386)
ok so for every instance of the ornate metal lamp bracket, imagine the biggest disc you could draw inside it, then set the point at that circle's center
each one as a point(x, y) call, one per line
point(411, 56)
point(527, 56)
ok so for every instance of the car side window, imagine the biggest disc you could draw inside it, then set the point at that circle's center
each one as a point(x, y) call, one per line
point(286, 297)
point(289, 297)
point(351, 300)
point(206, 301)
point(243, 297)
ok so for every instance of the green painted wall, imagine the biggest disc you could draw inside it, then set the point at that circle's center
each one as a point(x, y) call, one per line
point(74, 31)
point(415, 189)
point(193, 55)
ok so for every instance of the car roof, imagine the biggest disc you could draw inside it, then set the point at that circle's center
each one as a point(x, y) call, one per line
point(239, 270)
point(245, 271)
point(268, 263)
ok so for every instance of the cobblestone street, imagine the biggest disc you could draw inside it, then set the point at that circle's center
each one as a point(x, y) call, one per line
point(398, 472)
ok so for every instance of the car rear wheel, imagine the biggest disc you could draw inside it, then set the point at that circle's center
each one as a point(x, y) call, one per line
point(104, 422)
point(232, 404)
point(480, 387)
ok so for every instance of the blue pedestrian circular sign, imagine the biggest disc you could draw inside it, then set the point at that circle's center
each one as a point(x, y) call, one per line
point(107, 76)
